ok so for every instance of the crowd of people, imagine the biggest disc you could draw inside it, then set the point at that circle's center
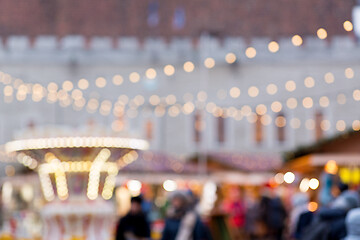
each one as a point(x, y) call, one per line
point(265, 217)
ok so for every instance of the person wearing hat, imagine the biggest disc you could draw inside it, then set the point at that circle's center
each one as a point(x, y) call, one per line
point(134, 225)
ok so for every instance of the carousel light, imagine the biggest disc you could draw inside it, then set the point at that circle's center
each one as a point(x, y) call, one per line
point(314, 183)
point(290, 86)
point(189, 66)
point(134, 187)
point(65, 142)
point(329, 78)
point(297, 40)
point(289, 177)
point(230, 58)
point(94, 174)
point(134, 77)
point(273, 47)
point(235, 92)
point(169, 70)
point(150, 73)
point(209, 63)
point(321, 33)
point(271, 89)
point(349, 73)
point(304, 185)
point(76, 94)
point(309, 82)
point(170, 185)
point(250, 52)
point(253, 91)
point(83, 84)
point(348, 26)
point(340, 125)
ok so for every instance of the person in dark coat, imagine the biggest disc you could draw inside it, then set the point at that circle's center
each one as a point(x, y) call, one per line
point(134, 225)
point(183, 222)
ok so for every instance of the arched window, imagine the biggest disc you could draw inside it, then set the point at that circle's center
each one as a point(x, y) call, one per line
point(197, 126)
point(221, 129)
point(318, 129)
point(258, 130)
point(280, 123)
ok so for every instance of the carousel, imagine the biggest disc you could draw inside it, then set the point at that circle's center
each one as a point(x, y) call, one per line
point(77, 176)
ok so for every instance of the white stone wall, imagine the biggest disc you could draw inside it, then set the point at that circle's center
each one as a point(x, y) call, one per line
point(55, 60)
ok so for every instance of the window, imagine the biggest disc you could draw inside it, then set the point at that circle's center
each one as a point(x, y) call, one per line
point(153, 14)
point(149, 129)
point(179, 18)
point(280, 123)
point(198, 125)
point(258, 130)
point(220, 129)
point(318, 128)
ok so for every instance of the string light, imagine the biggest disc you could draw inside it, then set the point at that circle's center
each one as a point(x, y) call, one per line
point(189, 66)
point(348, 26)
point(273, 47)
point(309, 82)
point(307, 102)
point(250, 52)
point(321, 33)
point(349, 73)
point(117, 80)
point(209, 63)
point(340, 125)
point(291, 103)
point(235, 92)
point(83, 84)
point(253, 91)
point(329, 78)
point(67, 86)
point(271, 89)
point(230, 58)
point(150, 73)
point(100, 82)
point(276, 106)
point(290, 86)
point(169, 70)
point(296, 40)
point(134, 77)
point(295, 123)
point(324, 101)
